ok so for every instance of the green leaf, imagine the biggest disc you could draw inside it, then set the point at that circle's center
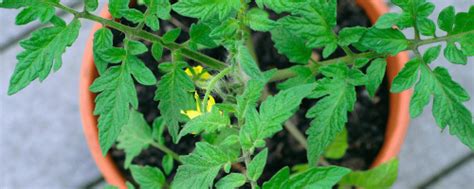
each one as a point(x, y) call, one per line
point(117, 7)
point(201, 166)
point(454, 55)
point(446, 19)
point(15, 4)
point(136, 47)
point(248, 64)
point(209, 122)
point(226, 30)
point(380, 177)
point(152, 22)
point(171, 35)
point(139, 71)
point(248, 100)
point(259, 20)
point(159, 8)
point(233, 180)
point(330, 113)
point(448, 108)
point(148, 177)
point(200, 34)
point(314, 23)
point(390, 41)
point(294, 48)
point(42, 12)
point(157, 51)
point(174, 90)
point(167, 163)
point(423, 91)
point(304, 75)
point(158, 126)
point(103, 40)
point(387, 20)
point(279, 180)
point(273, 112)
point(350, 35)
point(134, 137)
point(431, 54)
point(280, 6)
point(117, 93)
point(206, 9)
point(407, 77)
point(375, 74)
point(337, 148)
point(426, 26)
point(91, 5)
point(256, 166)
point(133, 15)
point(321, 177)
point(42, 50)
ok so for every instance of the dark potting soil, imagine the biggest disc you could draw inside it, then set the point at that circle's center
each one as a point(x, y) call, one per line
point(366, 125)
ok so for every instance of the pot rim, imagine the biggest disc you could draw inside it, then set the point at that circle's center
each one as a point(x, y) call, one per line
point(397, 123)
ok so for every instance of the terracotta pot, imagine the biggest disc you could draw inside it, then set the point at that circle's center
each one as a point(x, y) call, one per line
point(397, 124)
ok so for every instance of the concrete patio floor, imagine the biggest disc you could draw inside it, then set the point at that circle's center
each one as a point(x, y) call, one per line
point(42, 144)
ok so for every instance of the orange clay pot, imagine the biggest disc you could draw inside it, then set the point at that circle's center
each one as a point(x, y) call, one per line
point(397, 124)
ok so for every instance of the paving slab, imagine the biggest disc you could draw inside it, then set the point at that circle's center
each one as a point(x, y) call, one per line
point(41, 132)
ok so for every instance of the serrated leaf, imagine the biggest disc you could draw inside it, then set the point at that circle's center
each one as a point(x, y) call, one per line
point(448, 108)
point(133, 15)
point(152, 22)
point(206, 9)
point(248, 100)
point(174, 90)
point(171, 35)
point(233, 180)
point(415, 12)
point(351, 35)
point(304, 75)
point(117, 93)
point(337, 148)
point(255, 167)
point(423, 90)
point(446, 19)
point(248, 64)
point(135, 47)
point(200, 34)
point(375, 74)
point(103, 40)
point(116, 7)
point(279, 180)
point(43, 13)
point(158, 126)
point(201, 166)
point(314, 23)
point(209, 122)
point(321, 177)
point(280, 6)
point(148, 177)
point(454, 55)
point(134, 137)
point(431, 54)
point(387, 20)
point(139, 71)
point(226, 30)
point(273, 112)
point(294, 48)
point(91, 5)
point(407, 77)
point(390, 41)
point(380, 177)
point(259, 20)
point(330, 113)
point(426, 26)
point(42, 50)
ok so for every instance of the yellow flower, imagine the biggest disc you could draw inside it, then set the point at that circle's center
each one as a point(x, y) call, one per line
point(195, 113)
point(198, 73)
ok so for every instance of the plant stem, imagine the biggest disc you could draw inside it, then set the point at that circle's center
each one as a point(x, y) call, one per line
point(293, 130)
point(212, 84)
point(219, 65)
point(166, 150)
point(247, 159)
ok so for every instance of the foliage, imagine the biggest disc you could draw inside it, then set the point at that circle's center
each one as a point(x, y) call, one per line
point(233, 127)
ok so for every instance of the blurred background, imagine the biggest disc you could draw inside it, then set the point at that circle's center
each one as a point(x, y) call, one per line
point(42, 144)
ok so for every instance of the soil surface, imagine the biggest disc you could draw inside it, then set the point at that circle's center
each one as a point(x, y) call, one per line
point(366, 126)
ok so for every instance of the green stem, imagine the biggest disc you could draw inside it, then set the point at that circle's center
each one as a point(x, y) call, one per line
point(247, 159)
point(212, 84)
point(166, 150)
